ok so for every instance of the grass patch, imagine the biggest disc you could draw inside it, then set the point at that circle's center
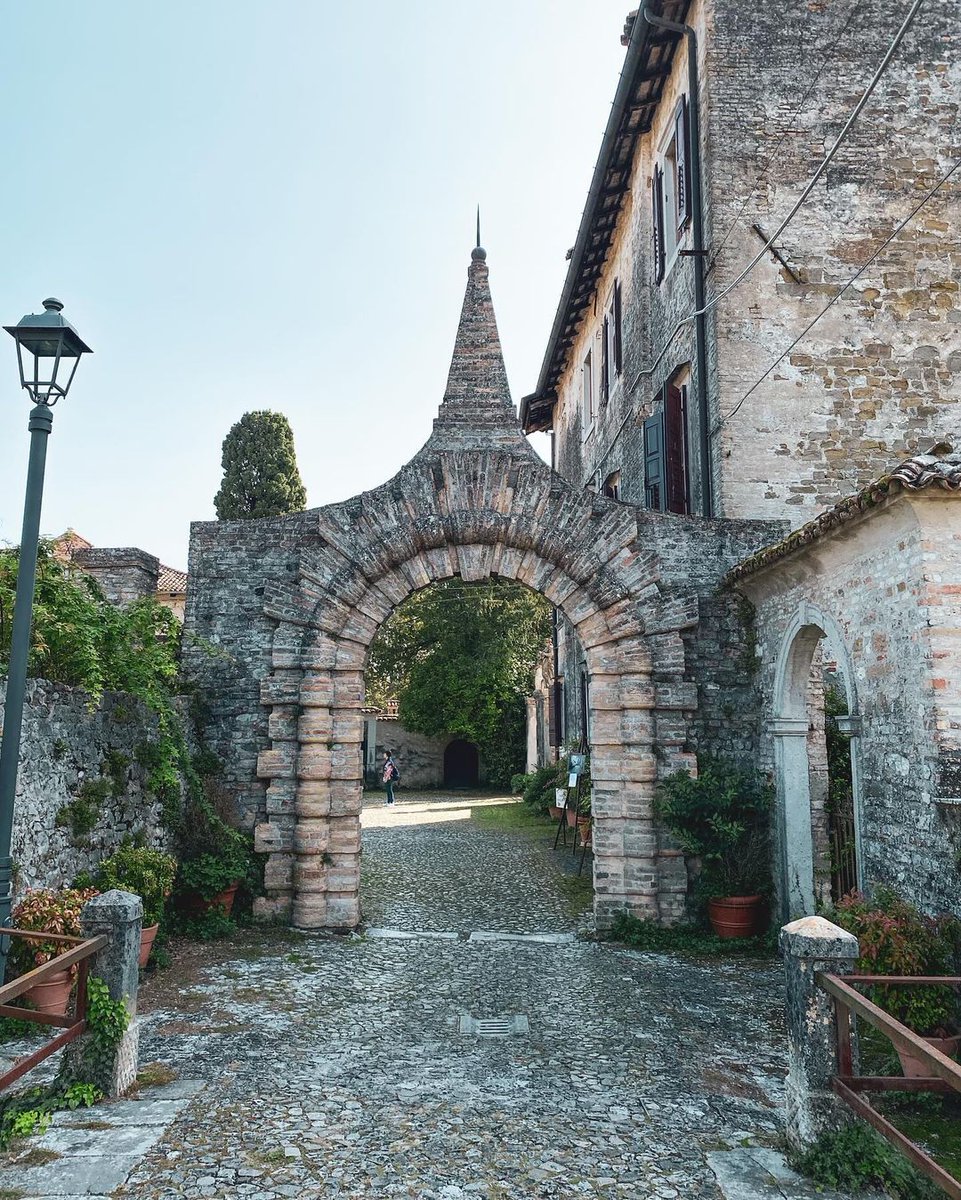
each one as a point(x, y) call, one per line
point(37, 1158)
point(856, 1159)
point(514, 817)
point(14, 1030)
point(689, 940)
point(269, 1158)
point(11, 1194)
point(154, 1074)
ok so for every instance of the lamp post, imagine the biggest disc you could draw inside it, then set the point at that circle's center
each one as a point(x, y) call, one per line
point(51, 342)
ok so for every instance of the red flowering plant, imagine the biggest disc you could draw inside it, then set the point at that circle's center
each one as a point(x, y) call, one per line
point(896, 939)
point(43, 910)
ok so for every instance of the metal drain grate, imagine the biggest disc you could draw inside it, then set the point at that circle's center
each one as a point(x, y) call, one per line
point(494, 1027)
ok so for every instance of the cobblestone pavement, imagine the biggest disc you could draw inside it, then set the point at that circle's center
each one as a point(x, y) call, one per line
point(336, 1067)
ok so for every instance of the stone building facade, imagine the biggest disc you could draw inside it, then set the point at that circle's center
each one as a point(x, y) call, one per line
point(703, 363)
point(874, 584)
point(876, 378)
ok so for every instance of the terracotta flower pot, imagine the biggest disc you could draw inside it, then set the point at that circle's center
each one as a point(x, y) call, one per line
point(147, 936)
point(555, 812)
point(737, 916)
point(914, 1068)
point(584, 830)
point(53, 996)
point(196, 905)
point(571, 817)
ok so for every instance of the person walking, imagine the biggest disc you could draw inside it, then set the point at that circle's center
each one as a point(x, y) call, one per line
point(391, 775)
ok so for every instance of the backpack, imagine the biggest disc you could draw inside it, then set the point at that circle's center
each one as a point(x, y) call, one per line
point(395, 778)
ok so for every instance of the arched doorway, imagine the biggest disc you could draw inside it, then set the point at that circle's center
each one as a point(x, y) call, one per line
point(816, 765)
point(461, 764)
point(294, 603)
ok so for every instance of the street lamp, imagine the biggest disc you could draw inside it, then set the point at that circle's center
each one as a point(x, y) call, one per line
point(54, 347)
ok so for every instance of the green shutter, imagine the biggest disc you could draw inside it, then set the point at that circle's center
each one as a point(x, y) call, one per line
point(655, 472)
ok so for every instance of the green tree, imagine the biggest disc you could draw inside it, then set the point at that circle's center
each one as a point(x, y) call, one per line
point(261, 478)
point(458, 657)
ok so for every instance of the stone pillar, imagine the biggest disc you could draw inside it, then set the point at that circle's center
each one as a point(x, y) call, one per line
point(118, 916)
point(532, 764)
point(809, 945)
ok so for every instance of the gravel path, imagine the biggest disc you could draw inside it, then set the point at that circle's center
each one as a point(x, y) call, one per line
point(346, 1067)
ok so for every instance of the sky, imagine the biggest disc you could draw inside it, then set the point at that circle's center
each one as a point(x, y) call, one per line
point(248, 205)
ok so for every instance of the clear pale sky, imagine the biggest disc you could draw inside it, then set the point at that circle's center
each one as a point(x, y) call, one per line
point(271, 205)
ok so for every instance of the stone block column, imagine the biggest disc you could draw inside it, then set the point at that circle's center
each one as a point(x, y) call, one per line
point(118, 916)
point(809, 945)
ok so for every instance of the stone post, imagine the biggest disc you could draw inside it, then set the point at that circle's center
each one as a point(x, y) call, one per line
point(809, 945)
point(119, 916)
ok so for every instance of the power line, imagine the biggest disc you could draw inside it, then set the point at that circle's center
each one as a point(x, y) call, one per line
point(837, 295)
point(822, 167)
point(827, 57)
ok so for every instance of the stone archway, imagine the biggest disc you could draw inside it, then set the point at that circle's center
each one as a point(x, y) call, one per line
point(808, 630)
point(292, 604)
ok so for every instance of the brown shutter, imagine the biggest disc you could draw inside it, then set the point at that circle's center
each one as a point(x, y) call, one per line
point(657, 205)
point(681, 150)
point(675, 449)
point(605, 363)
point(617, 327)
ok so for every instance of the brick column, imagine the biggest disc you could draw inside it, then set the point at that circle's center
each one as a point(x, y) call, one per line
point(809, 945)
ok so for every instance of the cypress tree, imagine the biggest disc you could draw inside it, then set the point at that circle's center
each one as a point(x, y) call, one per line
point(261, 478)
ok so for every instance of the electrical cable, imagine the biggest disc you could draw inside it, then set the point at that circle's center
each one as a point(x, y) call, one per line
point(837, 295)
point(826, 58)
point(809, 187)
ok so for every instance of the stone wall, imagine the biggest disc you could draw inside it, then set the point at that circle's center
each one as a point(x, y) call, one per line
point(124, 572)
point(419, 758)
point(73, 750)
point(879, 375)
point(884, 587)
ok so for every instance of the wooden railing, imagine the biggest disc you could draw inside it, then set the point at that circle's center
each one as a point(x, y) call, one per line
point(79, 953)
point(944, 1073)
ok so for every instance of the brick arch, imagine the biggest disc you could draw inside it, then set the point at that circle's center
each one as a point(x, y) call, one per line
point(457, 515)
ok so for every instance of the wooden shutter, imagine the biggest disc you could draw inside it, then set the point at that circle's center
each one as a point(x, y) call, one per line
point(657, 204)
point(605, 362)
point(655, 482)
point(675, 449)
point(682, 157)
point(617, 327)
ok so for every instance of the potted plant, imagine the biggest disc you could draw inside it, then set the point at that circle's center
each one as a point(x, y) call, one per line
point(148, 873)
point(210, 878)
point(584, 818)
point(722, 818)
point(896, 939)
point(45, 910)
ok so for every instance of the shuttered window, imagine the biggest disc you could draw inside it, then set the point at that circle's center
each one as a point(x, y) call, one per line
point(671, 191)
point(666, 474)
point(657, 201)
point(682, 191)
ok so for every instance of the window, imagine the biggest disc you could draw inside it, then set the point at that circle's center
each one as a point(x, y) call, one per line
point(587, 393)
point(612, 486)
point(671, 193)
point(611, 342)
point(666, 475)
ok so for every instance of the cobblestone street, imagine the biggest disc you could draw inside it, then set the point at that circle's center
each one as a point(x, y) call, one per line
point(337, 1066)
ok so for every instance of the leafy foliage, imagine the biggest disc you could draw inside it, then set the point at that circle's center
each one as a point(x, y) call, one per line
point(79, 638)
point(896, 939)
point(458, 657)
point(687, 939)
point(148, 873)
point(722, 817)
point(261, 478)
point(44, 910)
point(856, 1159)
point(84, 1075)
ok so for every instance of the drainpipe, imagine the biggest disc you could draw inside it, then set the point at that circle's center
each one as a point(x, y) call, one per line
point(699, 253)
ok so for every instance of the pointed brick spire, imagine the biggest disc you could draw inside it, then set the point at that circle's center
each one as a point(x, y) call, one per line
point(477, 408)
